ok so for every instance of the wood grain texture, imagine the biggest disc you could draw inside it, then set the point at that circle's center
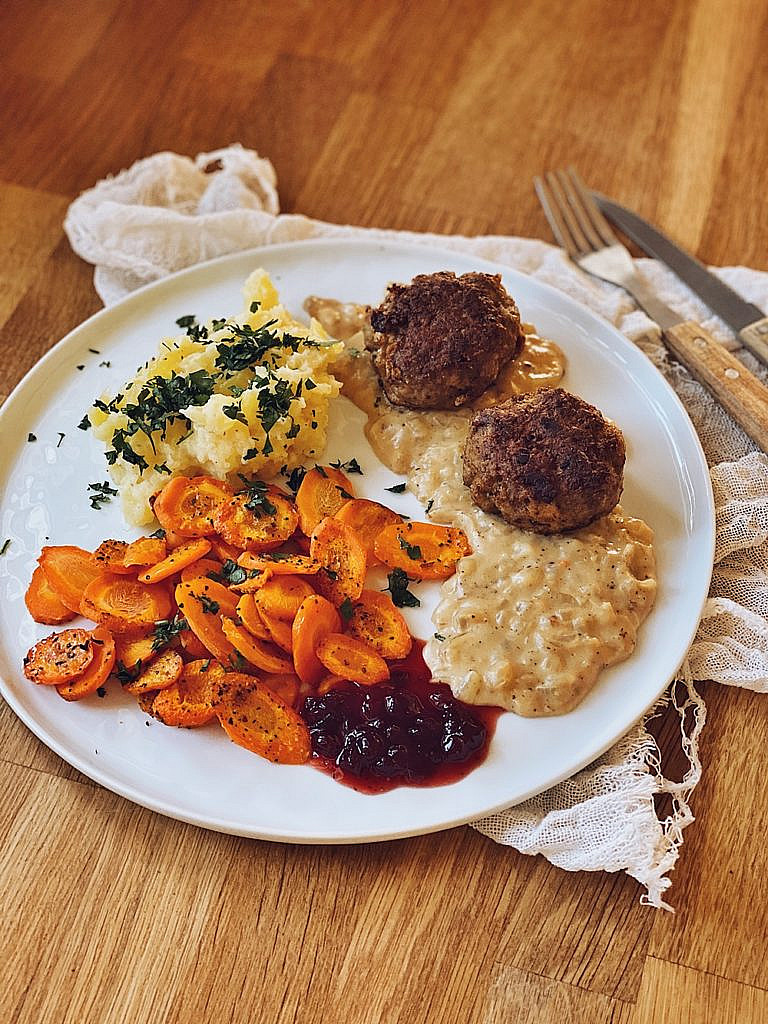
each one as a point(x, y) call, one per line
point(421, 116)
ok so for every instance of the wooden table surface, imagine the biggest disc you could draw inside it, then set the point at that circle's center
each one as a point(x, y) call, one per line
point(427, 116)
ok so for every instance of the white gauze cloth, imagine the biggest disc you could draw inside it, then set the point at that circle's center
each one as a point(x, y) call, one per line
point(168, 212)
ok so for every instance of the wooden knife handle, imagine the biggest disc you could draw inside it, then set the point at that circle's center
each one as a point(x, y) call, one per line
point(738, 390)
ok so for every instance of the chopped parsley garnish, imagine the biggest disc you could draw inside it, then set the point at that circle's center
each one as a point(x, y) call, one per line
point(346, 609)
point(330, 573)
point(353, 466)
point(186, 321)
point(258, 502)
point(396, 488)
point(6, 545)
point(159, 533)
point(230, 573)
point(429, 505)
point(209, 606)
point(439, 636)
point(102, 494)
point(166, 629)
point(80, 367)
point(163, 468)
point(101, 692)
point(105, 362)
point(84, 424)
point(398, 589)
point(31, 437)
point(234, 412)
point(127, 675)
point(294, 476)
point(309, 384)
point(343, 493)
point(321, 471)
point(61, 438)
point(412, 550)
point(95, 351)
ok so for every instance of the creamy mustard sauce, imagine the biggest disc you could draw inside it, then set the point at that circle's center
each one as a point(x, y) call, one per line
point(528, 621)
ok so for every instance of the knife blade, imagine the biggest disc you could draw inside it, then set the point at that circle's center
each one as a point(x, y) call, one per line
point(748, 322)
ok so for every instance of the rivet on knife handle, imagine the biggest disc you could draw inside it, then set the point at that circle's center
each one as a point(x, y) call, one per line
point(739, 392)
point(755, 338)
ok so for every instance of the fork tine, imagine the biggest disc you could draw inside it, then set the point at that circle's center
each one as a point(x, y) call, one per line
point(592, 211)
point(569, 214)
point(575, 202)
point(554, 215)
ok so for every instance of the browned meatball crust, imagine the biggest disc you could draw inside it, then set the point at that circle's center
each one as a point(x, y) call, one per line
point(546, 462)
point(441, 340)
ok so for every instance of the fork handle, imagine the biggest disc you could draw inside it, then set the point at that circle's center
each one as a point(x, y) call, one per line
point(738, 390)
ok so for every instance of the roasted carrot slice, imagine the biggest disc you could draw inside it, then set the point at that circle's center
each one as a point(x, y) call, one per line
point(69, 570)
point(285, 685)
point(202, 602)
point(260, 528)
point(350, 658)
point(279, 630)
point(330, 683)
point(260, 653)
point(192, 701)
point(131, 651)
point(43, 603)
point(110, 555)
point(145, 551)
point(279, 563)
point(98, 671)
point(124, 605)
point(257, 719)
point(179, 558)
point(192, 645)
point(343, 560)
point(281, 596)
point(315, 618)
point(222, 550)
point(322, 493)
point(60, 657)
point(377, 622)
point(188, 505)
point(424, 550)
point(202, 567)
point(164, 671)
point(367, 519)
point(248, 614)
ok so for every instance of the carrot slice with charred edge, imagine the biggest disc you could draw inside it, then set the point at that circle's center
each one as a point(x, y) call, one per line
point(124, 605)
point(133, 652)
point(260, 653)
point(279, 630)
point(59, 658)
point(202, 602)
point(97, 672)
point(248, 613)
point(178, 559)
point(110, 555)
point(259, 720)
point(145, 551)
point(315, 619)
point(285, 685)
point(377, 622)
point(350, 658)
point(192, 645)
point(257, 531)
point(223, 550)
point(69, 570)
point(202, 567)
point(42, 602)
point(424, 550)
point(343, 559)
point(192, 701)
point(367, 519)
point(279, 564)
point(321, 493)
point(188, 505)
point(329, 683)
point(281, 596)
point(173, 539)
point(164, 671)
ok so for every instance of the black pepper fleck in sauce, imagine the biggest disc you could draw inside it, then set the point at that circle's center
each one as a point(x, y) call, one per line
point(410, 731)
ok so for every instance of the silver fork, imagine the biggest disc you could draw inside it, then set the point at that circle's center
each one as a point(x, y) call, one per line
point(585, 234)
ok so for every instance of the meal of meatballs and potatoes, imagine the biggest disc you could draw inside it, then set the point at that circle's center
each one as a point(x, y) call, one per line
point(273, 596)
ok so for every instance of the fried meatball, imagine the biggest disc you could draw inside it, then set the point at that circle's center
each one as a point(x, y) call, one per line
point(441, 340)
point(546, 462)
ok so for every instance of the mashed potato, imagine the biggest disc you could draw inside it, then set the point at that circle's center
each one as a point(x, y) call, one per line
point(230, 396)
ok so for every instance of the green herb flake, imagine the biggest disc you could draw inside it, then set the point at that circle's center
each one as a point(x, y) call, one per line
point(186, 321)
point(102, 494)
point(294, 476)
point(343, 493)
point(353, 466)
point(127, 675)
point(84, 424)
point(95, 351)
point(257, 502)
point(101, 692)
point(439, 636)
point(346, 609)
point(412, 550)
point(159, 533)
point(31, 437)
point(396, 489)
point(209, 606)
point(401, 596)
point(165, 630)
point(61, 438)
point(429, 505)
point(6, 545)
point(231, 573)
point(80, 367)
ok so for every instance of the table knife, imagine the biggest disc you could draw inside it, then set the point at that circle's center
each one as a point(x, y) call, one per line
point(748, 322)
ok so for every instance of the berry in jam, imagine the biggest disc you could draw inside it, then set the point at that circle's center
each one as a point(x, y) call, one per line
point(409, 731)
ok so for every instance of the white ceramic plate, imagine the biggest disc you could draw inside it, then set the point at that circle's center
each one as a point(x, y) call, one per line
point(199, 776)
